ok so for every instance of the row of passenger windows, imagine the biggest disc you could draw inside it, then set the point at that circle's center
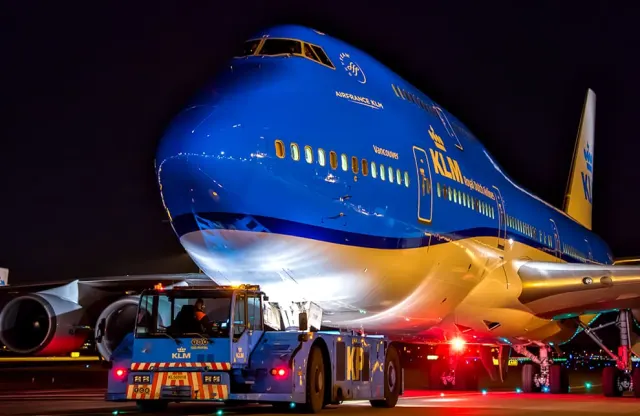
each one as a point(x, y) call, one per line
point(275, 47)
point(572, 251)
point(462, 198)
point(346, 163)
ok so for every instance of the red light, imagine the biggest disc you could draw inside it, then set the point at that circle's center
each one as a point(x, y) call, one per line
point(120, 372)
point(279, 372)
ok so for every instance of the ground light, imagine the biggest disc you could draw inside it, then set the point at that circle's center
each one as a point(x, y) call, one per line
point(484, 392)
point(587, 385)
point(518, 390)
point(219, 412)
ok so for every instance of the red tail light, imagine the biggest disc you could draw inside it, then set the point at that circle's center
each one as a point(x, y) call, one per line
point(279, 372)
point(120, 373)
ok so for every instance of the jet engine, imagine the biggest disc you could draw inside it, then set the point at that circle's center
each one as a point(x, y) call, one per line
point(114, 323)
point(42, 324)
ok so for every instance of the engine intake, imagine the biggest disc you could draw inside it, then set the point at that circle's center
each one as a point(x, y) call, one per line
point(41, 324)
point(114, 323)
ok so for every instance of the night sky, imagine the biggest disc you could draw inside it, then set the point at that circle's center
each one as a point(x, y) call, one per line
point(87, 93)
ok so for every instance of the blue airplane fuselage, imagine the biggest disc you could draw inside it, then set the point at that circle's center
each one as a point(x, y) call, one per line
point(312, 169)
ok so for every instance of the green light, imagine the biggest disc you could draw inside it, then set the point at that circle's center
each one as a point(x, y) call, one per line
point(587, 385)
point(292, 405)
point(219, 412)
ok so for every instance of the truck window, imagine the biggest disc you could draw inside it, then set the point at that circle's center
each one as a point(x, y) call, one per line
point(254, 314)
point(239, 316)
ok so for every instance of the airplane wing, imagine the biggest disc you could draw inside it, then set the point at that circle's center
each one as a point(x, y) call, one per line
point(563, 290)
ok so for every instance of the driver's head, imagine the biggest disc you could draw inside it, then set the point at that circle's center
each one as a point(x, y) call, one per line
point(199, 305)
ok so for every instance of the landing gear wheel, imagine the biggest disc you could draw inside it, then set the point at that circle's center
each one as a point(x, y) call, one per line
point(392, 380)
point(528, 383)
point(558, 379)
point(610, 380)
point(315, 381)
point(152, 406)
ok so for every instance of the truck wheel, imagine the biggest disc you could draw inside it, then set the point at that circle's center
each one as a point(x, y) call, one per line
point(152, 406)
point(392, 380)
point(315, 381)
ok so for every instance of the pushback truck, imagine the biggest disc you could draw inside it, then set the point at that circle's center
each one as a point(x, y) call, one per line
point(212, 344)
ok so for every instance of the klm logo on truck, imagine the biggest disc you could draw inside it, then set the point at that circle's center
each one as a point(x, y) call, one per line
point(355, 362)
point(448, 167)
point(182, 354)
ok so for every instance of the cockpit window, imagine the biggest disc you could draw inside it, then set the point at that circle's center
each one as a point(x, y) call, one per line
point(276, 46)
point(281, 46)
point(322, 56)
point(248, 48)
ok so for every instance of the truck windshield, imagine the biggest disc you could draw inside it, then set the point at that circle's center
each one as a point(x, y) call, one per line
point(177, 316)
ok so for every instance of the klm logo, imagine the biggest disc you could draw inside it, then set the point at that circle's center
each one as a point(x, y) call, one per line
point(181, 354)
point(352, 68)
point(447, 167)
point(587, 179)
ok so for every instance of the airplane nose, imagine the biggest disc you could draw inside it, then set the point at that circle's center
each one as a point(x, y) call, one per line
point(207, 161)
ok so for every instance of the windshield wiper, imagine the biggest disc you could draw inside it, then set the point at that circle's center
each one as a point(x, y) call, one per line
point(200, 335)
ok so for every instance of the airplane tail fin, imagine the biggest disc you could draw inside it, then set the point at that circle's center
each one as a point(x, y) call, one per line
point(578, 198)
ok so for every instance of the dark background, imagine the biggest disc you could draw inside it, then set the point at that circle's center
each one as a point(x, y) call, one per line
point(87, 92)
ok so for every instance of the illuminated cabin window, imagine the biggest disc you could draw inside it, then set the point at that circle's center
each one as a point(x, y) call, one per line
point(333, 159)
point(445, 192)
point(437, 188)
point(321, 157)
point(406, 182)
point(308, 154)
point(449, 194)
point(374, 171)
point(344, 163)
point(354, 164)
point(280, 149)
point(382, 175)
point(248, 48)
point(398, 177)
point(390, 174)
point(273, 47)
point(365, 167)
point(295, 152)
point(460, 198)
point(427, 182)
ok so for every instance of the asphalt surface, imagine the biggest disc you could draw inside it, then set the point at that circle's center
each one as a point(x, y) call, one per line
point(90, 402)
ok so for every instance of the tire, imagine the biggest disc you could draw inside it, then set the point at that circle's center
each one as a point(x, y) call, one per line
point(558, 380)
point(610, 376)
point(392, 380)
point(316, 380)
point(528, 385)
point(152, 406)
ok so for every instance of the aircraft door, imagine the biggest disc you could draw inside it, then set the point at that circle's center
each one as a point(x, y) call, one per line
point(424, 185)
point(502, 219)
point(557, 249)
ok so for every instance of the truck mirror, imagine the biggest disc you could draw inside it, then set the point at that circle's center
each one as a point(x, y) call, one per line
point(303, 323)
point(265, 298)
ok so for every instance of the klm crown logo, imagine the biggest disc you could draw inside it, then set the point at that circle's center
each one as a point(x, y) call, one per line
point(437, 140)
point(588, 158)
point(182, 349)
point(182, 354)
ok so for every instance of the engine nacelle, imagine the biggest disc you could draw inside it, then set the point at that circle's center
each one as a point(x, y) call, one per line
point(42, 324)
point(114, 323)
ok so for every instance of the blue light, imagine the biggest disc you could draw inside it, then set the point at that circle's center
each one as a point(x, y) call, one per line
point(545, 389)
point(292, 405)
point(219, 412)
point(484, 392)
point(518, 390)
point(587, 385)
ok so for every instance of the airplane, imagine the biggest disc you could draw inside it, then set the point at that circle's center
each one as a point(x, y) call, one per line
point(308, 167)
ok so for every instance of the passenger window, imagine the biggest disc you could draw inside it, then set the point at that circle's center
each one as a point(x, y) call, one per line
point(455, 195)
point(365, 167)
point(406, 182)
point(333, 159)
point(398, 177)
point(390, 174)
point(321, 157)
point(344, 163)
point(374, 171)
point(279, 149)
point(295, 152)
point(437, 188)
point(308, 154)
point(382, 176)
point(449, 193)
point(354, 164)
point(445, 192)
point(428, 181)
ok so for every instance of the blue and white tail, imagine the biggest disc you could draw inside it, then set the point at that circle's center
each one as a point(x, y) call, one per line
point(579, 196)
